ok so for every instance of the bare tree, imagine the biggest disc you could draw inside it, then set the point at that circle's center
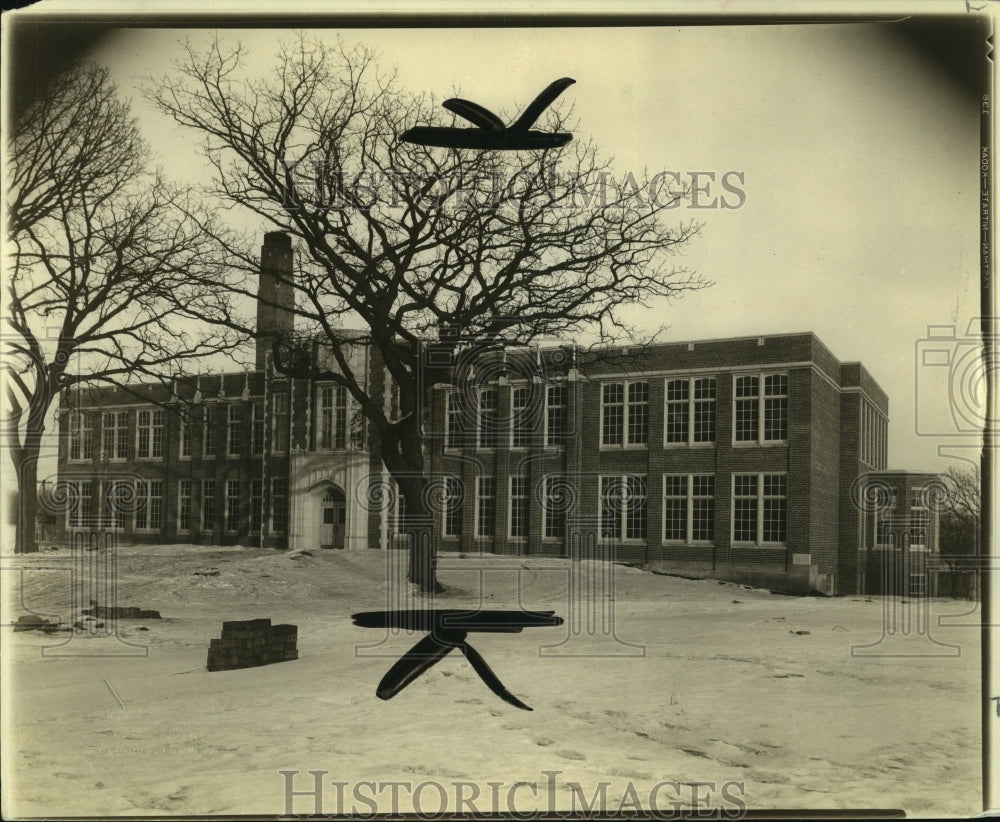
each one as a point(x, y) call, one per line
point(102, 255)
point(417, 245)
point(959, 530)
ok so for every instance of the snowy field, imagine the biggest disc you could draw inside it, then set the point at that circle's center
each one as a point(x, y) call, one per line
point(702, 692)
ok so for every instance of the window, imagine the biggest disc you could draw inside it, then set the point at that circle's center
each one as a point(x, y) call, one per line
point(116, 500)
point(625, 413)
point(184, 505)
point(485, 507)
point(690, 415)
point(688, 508)
point(453, 507)
point(280, 437)
point(455, 430)
point(332, 417)
point(149, 434)
point(232, 505)
point(623, 507)
point(148, 505)
point(185, 449)
point(520, 414)
point(208, 505)
point(114, 442)
point(488, 434)
point(235, 430)
point(258, 429)
point(256, 505)
point(752, 405)
point(518, 507)
point(209, 438)
point(556, 425)
point(760, 508)
point(81, 512)
point(81, 436)
point(558, 497)
point(279, 505)
point(396, 519)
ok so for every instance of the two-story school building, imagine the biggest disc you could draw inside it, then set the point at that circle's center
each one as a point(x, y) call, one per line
point(737, 459)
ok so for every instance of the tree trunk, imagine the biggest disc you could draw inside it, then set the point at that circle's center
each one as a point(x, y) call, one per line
point(26, 465)
point(402, 454)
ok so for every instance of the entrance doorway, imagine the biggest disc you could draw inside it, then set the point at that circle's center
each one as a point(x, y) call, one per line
point(333, 519)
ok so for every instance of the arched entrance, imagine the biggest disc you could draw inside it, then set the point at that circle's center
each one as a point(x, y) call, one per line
point(332, 511)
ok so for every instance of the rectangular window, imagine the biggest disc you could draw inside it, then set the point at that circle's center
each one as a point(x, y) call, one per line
point(747, 409)
point(280, 436)
point(232, 505)
point(557, 494)
point(688, 508)
point(279, 505)
point(612, 414)
point(256, 505)
point(520, 413)
point(257, 434)
point(556, 415)
point(752, 405)
point(518, 507)
point(81, 436)
point(148, 505)
point(455, 430)
point(775, 407)
point(184, 505)
point(485, 507)
point(114, 441)
point(209, 438)
point(623, 507)
point(116, 499)
point(690, 410)
point(396, 519)
point(332, 417)
point(675, 508)
point(760, 508)
point(208, 505)
point(81, 512)
point(235, 438)
point(774, 507)
point(453, 507)
point(185, 421)
point(625, 413)
point(702, 508)
point(340, 417)
point(488, 435)
point(149, 434)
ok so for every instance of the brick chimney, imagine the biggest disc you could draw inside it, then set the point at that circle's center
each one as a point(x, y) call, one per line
point(275, 295)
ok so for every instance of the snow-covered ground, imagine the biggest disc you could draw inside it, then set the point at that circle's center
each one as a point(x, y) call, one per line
point(698, 691)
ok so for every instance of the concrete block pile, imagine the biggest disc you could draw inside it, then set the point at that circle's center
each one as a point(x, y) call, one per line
point(252, 642)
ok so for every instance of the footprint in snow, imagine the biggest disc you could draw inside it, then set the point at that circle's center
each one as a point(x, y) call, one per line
point(567, 754)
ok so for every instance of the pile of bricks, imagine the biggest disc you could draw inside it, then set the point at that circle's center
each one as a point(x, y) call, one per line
point(252, 642)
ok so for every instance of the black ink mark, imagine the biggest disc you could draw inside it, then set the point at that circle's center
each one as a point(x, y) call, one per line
point(448, 630)
point(490, 131)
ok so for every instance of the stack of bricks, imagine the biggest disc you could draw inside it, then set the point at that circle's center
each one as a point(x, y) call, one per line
point(252, 642)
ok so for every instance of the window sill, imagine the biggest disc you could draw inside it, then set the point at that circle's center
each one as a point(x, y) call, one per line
point(763, 545)
point(688, 544)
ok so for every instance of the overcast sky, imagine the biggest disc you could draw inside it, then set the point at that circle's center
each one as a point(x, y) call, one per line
point(860, 165)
